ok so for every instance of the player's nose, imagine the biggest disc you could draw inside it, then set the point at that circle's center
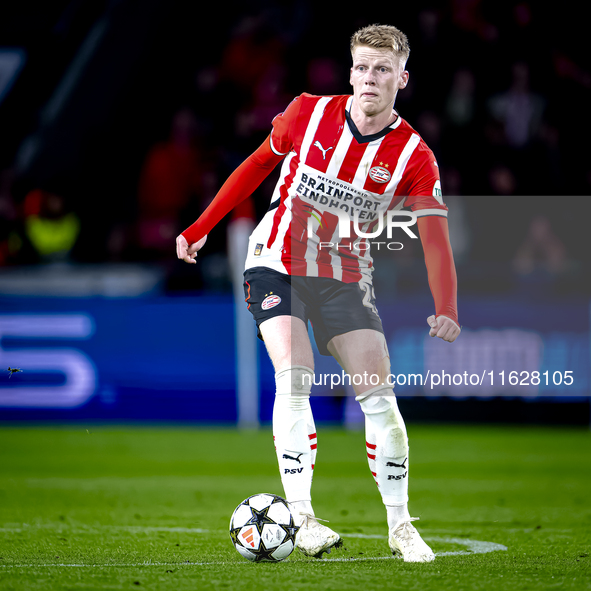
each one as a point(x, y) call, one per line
point(370, 78)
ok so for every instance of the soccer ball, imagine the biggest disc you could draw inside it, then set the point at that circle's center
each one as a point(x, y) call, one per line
point(262, 528)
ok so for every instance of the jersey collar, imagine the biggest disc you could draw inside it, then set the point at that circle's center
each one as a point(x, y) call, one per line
point(365, 139)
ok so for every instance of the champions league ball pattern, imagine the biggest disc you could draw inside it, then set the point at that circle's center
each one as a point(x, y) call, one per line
point(262, 528)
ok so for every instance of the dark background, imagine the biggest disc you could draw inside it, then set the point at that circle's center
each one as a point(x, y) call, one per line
point(499, 90)
point(128, 115)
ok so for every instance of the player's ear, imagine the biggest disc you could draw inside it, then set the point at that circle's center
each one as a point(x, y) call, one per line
point(403, 79)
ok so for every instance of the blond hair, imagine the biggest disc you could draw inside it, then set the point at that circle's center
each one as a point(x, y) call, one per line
point(382, 37)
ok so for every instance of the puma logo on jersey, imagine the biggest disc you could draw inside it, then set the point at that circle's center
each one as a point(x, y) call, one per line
point(318, 145)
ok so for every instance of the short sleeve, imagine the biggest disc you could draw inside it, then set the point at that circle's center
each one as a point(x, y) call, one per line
point(425, 196)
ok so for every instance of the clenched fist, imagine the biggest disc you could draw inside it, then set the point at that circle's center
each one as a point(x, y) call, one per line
point(444, 328)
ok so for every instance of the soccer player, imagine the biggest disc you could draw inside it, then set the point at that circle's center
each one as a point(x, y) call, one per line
point(350, 158)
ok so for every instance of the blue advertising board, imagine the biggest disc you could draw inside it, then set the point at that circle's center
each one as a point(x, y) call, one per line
point(173, 358)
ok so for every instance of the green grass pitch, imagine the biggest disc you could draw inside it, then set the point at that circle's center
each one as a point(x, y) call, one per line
point(103, 507)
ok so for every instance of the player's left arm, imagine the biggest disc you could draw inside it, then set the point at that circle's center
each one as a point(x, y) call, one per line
point(426, 201)
point(441, 271)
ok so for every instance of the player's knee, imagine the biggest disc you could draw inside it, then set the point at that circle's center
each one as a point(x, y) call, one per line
point(376, 400)
point(295, 380)
point(293, 387)
point(384, 370)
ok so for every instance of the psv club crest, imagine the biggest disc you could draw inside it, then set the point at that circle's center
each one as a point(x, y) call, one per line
point(270, 302)
point(379, 174)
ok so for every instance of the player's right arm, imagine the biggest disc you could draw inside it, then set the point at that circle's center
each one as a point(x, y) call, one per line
point(188, 252)
point(240, 185)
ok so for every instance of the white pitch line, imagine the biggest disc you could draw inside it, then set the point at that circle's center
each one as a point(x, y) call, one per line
point(129, 565)
point(475, 547)
point(129, 528)
point(366, 536)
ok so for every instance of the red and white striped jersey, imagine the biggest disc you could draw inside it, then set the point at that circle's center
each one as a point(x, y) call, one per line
point(330, 173)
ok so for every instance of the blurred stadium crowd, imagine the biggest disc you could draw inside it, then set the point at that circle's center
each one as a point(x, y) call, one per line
point(127, 116)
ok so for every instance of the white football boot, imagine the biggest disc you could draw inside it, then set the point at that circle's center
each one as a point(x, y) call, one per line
point(405, 541)
point(313, 538)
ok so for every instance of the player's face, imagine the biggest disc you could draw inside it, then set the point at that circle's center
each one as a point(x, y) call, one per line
point(376, 76)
